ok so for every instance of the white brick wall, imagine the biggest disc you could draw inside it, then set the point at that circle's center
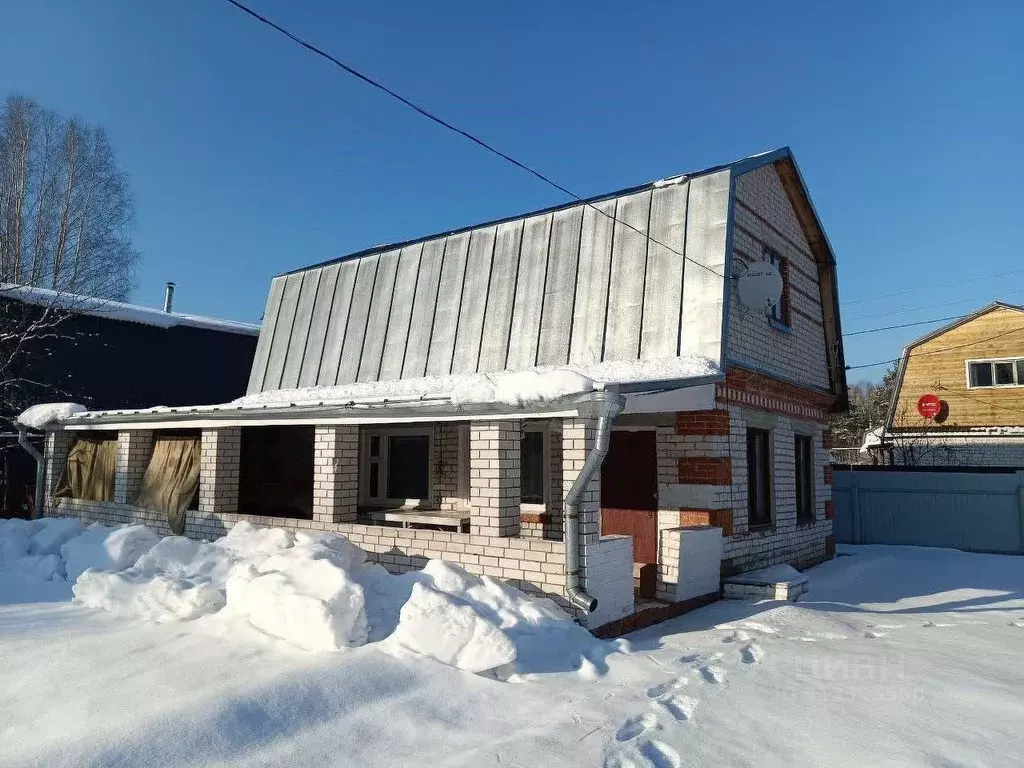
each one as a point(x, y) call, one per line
point(494, 493)
point(785, 541)
point(134, 449)
point(335, 473)
point(219, 466)
point(799, 354)
point(689, 561)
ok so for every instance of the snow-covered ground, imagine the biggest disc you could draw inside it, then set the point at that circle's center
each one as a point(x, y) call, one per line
point(896, 657)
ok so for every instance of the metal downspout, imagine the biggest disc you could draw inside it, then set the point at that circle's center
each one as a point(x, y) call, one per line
point(40, 470)
point(606, 409)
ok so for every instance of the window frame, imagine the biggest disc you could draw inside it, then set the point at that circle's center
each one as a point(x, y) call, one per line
point(1016, 364)
point(381, 460)
point(769, 494)
point(779, 313)
point(804, 507)
point(545, 429)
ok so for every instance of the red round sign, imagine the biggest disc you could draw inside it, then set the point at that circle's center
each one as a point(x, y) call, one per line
point(929, 405)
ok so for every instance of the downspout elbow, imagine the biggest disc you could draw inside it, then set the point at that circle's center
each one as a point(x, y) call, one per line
point(606, 408)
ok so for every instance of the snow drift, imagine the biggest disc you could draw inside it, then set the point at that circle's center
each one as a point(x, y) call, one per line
point(39, 416)
point(313, 590)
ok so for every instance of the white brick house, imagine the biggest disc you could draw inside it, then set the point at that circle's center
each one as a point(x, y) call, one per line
point(573, 400)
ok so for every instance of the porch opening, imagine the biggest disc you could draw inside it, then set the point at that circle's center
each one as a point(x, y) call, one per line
point(276, 472)
point(90, 468)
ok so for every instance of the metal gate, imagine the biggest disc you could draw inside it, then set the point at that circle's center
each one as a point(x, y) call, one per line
point(977, 511)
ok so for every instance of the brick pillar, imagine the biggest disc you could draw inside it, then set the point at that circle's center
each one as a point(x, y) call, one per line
point(134, 450)
point(219, 465)
point(335, 473)
point(494, 487)
point(577, 442)
point(56, 457)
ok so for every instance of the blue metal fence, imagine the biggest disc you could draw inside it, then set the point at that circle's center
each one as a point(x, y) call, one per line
point(977, 512)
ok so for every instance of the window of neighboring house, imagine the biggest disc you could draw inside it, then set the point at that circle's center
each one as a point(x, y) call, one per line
point(396, 467)
point(804, 449)
point(759, 483)
point(780, 311)
point(995, 373)
point(531, 467)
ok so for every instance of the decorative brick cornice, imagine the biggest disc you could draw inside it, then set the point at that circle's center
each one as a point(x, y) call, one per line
point(704, 470)
point(714, 422)
point(754, 390)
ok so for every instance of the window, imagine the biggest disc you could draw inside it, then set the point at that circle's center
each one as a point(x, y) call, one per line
point(995, 373)
point(759, 490)
point(804, 448)
point(531, 466)
point(396, 467)
point(780, 311)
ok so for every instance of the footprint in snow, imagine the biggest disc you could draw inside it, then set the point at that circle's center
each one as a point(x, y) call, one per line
point(739, 636)
point(752, 654)
point(660, 755)
point(935, 624)
point(699, 658)
point(872, 635)
point(1018, 623)
point(712, 673)
point(626, 760)
point(636, 726)
point(887, 626)
point(659, 690)
point(680, 707)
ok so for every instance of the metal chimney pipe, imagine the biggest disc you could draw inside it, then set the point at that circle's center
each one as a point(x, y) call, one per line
point(169, 297)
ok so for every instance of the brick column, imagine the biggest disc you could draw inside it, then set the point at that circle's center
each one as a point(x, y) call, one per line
point(335, 473)
point(57, 445)
point(219, 465)
point(577, 442)
point(494, 480)
point(134, 450)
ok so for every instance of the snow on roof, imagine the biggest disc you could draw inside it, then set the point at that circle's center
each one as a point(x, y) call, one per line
point(872, 439)
point(38, 416)
point(118, 310)
point(535, 387)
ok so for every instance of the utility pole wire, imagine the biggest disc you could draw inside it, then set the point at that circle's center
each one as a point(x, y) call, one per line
point(935, 351)
point(455, 129)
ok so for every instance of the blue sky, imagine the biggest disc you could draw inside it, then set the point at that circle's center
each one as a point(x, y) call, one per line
point(250, 157)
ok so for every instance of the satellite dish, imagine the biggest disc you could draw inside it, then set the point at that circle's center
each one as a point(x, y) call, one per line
point(760, 286)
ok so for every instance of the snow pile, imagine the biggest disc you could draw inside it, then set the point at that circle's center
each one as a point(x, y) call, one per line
point(520, 388)
point(44, 414)
point(109, 550)
point(313, 590)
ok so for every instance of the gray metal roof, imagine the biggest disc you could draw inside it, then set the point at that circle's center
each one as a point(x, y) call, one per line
point(581, 283)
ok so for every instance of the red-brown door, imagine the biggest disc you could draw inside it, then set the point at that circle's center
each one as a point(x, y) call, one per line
point(629, 498)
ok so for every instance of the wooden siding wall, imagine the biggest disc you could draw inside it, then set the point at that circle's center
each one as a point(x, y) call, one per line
point(580, 284)
point(939, 366)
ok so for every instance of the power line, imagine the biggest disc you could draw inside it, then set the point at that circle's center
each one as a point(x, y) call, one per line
point(933, 306)
point(928, 287)
point(935, 351)
point(907, 325)
point(423, 111)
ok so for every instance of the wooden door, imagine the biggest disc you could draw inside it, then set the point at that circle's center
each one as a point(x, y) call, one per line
point(629, 498)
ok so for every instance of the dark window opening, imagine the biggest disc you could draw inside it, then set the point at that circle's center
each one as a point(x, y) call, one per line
point(531, 467)
point(276, 473)
point(408, 466)
point(804, 479)
point(759, 512)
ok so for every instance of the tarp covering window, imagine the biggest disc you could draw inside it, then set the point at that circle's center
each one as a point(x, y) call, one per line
point(89, 473)
point(171, 478)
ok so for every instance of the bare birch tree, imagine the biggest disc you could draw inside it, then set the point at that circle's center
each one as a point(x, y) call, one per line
point(66, 209)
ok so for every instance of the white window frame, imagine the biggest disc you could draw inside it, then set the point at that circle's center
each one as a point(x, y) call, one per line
point(1014, 361)
point(544, 428)
point(385, 433)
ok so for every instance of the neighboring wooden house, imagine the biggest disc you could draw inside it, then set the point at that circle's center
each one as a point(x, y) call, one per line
point(975, 369)
point(574, 400)
point(108, 354)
